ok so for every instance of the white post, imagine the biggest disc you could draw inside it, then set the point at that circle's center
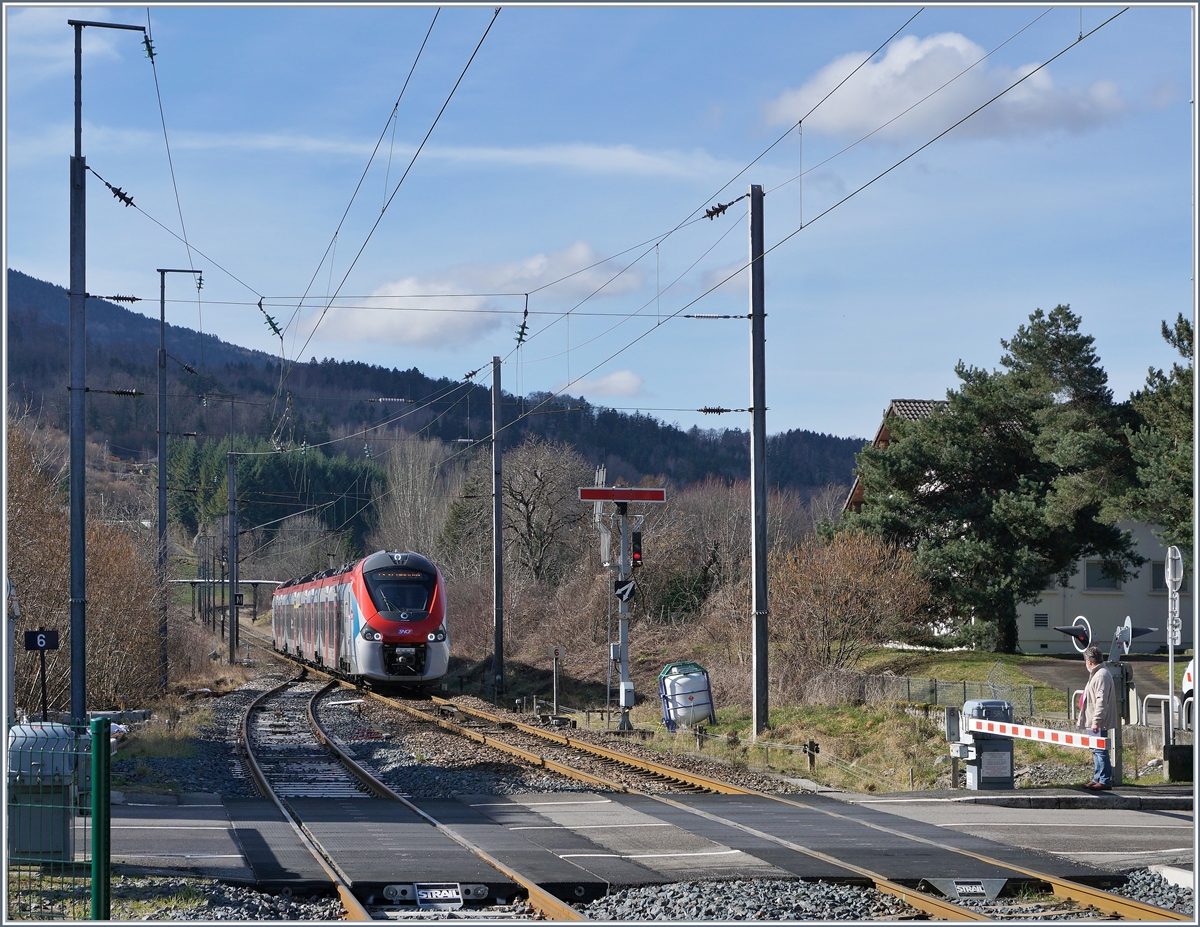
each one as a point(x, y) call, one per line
point(1174, 577)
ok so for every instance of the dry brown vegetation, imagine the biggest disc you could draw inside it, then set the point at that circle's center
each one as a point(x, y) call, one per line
point(123, 593)
point(829, 599)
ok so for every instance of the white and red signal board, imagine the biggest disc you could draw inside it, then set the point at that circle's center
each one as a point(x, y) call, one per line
point(621, 494)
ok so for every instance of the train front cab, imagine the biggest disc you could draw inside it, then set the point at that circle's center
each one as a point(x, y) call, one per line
point(401, 638)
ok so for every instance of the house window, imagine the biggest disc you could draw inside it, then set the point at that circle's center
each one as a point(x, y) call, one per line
point(1158, 578)
point(1041, 621)
point(1097, 580)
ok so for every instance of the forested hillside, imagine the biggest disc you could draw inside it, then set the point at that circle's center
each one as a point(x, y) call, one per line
point(327, 400)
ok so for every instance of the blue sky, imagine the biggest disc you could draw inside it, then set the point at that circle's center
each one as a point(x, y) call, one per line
point(578, 133)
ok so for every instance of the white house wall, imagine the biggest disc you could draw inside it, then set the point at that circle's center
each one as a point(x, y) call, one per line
point(1106, 609)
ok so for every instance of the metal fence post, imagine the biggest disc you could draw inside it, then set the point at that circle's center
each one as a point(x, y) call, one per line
point(101, 811)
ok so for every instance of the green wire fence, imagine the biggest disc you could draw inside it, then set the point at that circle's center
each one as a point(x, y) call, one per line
point(58, 822)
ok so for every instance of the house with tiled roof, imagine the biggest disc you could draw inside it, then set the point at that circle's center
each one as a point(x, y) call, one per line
point(1105, 602)
point(912, 409)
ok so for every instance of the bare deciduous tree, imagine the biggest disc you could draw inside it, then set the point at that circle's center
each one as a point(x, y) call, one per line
point(421, 486)
point(123, 593)
point(830, 602)
point(542, 512)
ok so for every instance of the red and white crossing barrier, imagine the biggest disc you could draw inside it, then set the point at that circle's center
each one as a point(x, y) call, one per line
point(1040, 734)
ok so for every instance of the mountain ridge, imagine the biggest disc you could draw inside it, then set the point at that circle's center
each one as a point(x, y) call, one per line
point(329, 397)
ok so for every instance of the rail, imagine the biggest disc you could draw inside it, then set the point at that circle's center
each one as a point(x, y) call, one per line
point(354, 908)
point(1106, 902)
point(712, 785)
point(552, 907)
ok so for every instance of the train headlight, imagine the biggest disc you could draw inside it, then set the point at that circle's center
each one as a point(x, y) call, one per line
point(439, 634)
point(432, 636)
point(370, 634)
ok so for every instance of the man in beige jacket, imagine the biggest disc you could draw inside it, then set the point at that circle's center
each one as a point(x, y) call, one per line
point(1098, 714)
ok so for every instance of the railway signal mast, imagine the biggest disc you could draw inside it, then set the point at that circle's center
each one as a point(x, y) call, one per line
point(623, 587)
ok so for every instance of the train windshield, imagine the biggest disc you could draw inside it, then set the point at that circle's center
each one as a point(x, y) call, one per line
point(400, 595)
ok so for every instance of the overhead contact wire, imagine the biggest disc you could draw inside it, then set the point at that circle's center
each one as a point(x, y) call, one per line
point(399, 183)
point(880, 128)
point(692, 216)
point(149, 41)
point(726, 279)
point(392, 118)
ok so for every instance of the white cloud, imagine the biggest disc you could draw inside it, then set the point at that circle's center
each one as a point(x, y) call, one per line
point(447, 322)
point(736, 282)
point(624, 383)
point(913, 67)
point(540, 269)
point(593, 159)
point(397, 313)
point(41, 45)
point(620, 160)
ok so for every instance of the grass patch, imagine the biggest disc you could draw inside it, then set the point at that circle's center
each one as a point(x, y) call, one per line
point(134, 899)
point(862, 748)
point(968, 666)
point(1147, 674)
point(170, 733)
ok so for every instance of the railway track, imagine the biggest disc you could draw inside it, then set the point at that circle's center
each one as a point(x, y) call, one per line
point(614, 770)
point(291, 757)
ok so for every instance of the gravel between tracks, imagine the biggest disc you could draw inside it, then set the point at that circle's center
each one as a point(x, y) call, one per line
point(418, 759)
point(156, 898)
point(758, 899)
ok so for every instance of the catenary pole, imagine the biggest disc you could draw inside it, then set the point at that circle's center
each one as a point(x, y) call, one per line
point(233, 552)
point(758, 463)
point(497, 536)
point(163, 659)
point(77, 327)
point(78, 334)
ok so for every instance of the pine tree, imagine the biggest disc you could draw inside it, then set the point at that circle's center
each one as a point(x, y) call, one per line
point(1004, 487)
point(1162, 447)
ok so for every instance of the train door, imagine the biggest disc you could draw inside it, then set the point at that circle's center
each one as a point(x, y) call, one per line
point(330, 611)
point(335, 628)
point(346, 630)
point(309, 650)
point(305, 611)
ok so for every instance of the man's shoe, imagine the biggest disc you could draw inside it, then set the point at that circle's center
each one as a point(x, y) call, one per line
point(1095, 785)
point(1101, 787)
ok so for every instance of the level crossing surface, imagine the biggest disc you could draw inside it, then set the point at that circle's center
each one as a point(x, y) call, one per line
point(581, 845)
point(1112, 839)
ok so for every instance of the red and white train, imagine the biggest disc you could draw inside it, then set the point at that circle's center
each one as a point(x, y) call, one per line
point(378, 621)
